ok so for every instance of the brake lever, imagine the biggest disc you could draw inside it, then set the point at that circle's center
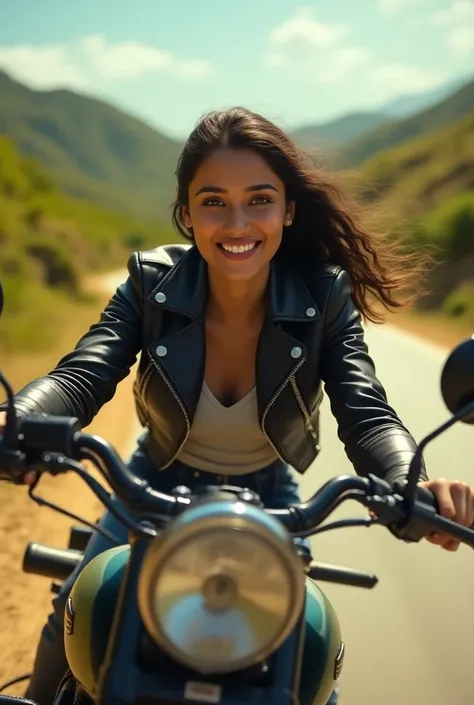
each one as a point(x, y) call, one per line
point(412, 522)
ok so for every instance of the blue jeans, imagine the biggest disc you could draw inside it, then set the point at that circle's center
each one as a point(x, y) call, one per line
point(274, 484)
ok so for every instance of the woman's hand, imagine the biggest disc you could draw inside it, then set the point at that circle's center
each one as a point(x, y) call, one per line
point(456, 502)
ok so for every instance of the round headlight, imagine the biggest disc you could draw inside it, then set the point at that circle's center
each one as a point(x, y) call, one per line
point(222, 587)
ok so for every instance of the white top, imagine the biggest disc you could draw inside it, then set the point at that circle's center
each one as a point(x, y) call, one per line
point(227, 440)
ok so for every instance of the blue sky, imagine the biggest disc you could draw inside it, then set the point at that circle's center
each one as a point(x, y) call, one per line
point(170, 61)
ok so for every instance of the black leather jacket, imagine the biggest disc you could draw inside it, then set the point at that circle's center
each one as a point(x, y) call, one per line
point(312, 334)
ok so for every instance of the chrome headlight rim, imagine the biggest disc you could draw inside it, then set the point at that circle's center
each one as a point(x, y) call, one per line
point(166, 546)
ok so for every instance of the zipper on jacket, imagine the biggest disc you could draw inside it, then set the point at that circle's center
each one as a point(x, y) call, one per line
point(145, 379)
point(304, 410)
point(181, 406)
point(272, 401)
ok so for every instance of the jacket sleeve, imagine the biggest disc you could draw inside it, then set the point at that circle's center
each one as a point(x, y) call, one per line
point(374, 438)
point(86, 378)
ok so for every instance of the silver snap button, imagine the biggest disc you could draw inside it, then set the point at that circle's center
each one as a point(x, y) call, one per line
point(161, 350)
point(160, 297)
point(311, 311)
point(296, 352)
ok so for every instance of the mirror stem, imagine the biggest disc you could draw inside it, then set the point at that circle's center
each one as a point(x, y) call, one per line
point(416, 463)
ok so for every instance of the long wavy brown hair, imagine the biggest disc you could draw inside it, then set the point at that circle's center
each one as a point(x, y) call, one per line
point(328, 224)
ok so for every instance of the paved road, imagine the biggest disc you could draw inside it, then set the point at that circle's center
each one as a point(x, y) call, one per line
point(410, 641)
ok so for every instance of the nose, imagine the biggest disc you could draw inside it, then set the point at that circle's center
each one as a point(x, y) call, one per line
point(238, 221)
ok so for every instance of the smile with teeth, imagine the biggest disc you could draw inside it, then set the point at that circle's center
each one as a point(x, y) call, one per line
point(238, 249)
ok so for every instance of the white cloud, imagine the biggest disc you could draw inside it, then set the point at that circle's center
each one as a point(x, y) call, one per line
point(390, 6)
point(193, 68)
point(303, 28)
point(275, 59)
point(391, 80)
point(42, 67)
point(75, 65)
point(458, 23)
point(342, 62)
point(314, 47)
point(124, 59)
point(461, 39)
point(459, 11)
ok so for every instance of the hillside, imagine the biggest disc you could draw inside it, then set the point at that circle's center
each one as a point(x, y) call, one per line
point(406, 105)
point(98, 153)
point(48, 243)
point(424, 188)
point(458, 105)
point(416, 176)
point(332, 133)
point(92, 150)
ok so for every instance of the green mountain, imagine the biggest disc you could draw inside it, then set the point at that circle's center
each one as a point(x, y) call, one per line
point(98, 153)
point(335, 132)
point(332, 138)
point(93, 150)
point(406, 105)
point(416, 176)
point(455, 107)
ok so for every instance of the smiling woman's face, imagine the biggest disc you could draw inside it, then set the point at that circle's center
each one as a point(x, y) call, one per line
point(237, 209)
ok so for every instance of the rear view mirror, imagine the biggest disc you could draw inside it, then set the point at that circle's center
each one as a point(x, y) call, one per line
point(457, 379)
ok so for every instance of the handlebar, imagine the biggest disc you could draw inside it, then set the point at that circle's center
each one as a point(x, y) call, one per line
point(52, 444)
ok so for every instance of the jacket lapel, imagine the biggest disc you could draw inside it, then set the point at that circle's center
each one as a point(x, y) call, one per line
point(180, 352)
point(280, 352)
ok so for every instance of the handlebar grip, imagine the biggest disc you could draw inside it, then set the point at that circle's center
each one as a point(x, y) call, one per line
point(415, 530)
point(426, 519)
point(50, 562)
point(424, 495)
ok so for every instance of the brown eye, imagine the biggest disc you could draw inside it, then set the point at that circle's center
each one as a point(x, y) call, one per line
point(212, 202)
point(260, 200)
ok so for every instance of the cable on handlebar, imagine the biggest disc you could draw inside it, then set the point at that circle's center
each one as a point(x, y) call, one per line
point(15, 681)
point(121, 515)
point(41, 502)
point(302, 519)
point(136, 491)
point(367, 522)
point(113, 508)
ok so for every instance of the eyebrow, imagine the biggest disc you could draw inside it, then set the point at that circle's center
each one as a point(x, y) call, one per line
point(218, 189)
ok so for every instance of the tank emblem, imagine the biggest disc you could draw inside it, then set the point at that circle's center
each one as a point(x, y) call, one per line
point(339, 662)
point(69, 617)
point(203, 692)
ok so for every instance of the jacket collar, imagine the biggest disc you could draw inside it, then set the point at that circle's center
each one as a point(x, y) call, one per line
point(184, 290)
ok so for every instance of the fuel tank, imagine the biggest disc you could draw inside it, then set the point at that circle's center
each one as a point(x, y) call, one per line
point(90, 611)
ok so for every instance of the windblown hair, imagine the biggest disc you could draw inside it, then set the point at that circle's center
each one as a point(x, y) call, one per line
point(327, 225)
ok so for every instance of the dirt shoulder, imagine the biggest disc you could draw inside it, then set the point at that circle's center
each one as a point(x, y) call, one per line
point(25, 599)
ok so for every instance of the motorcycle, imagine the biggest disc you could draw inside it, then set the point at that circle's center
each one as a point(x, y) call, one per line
point(211, 601)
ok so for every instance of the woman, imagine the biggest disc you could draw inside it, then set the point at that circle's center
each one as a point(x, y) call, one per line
point(237, 333)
